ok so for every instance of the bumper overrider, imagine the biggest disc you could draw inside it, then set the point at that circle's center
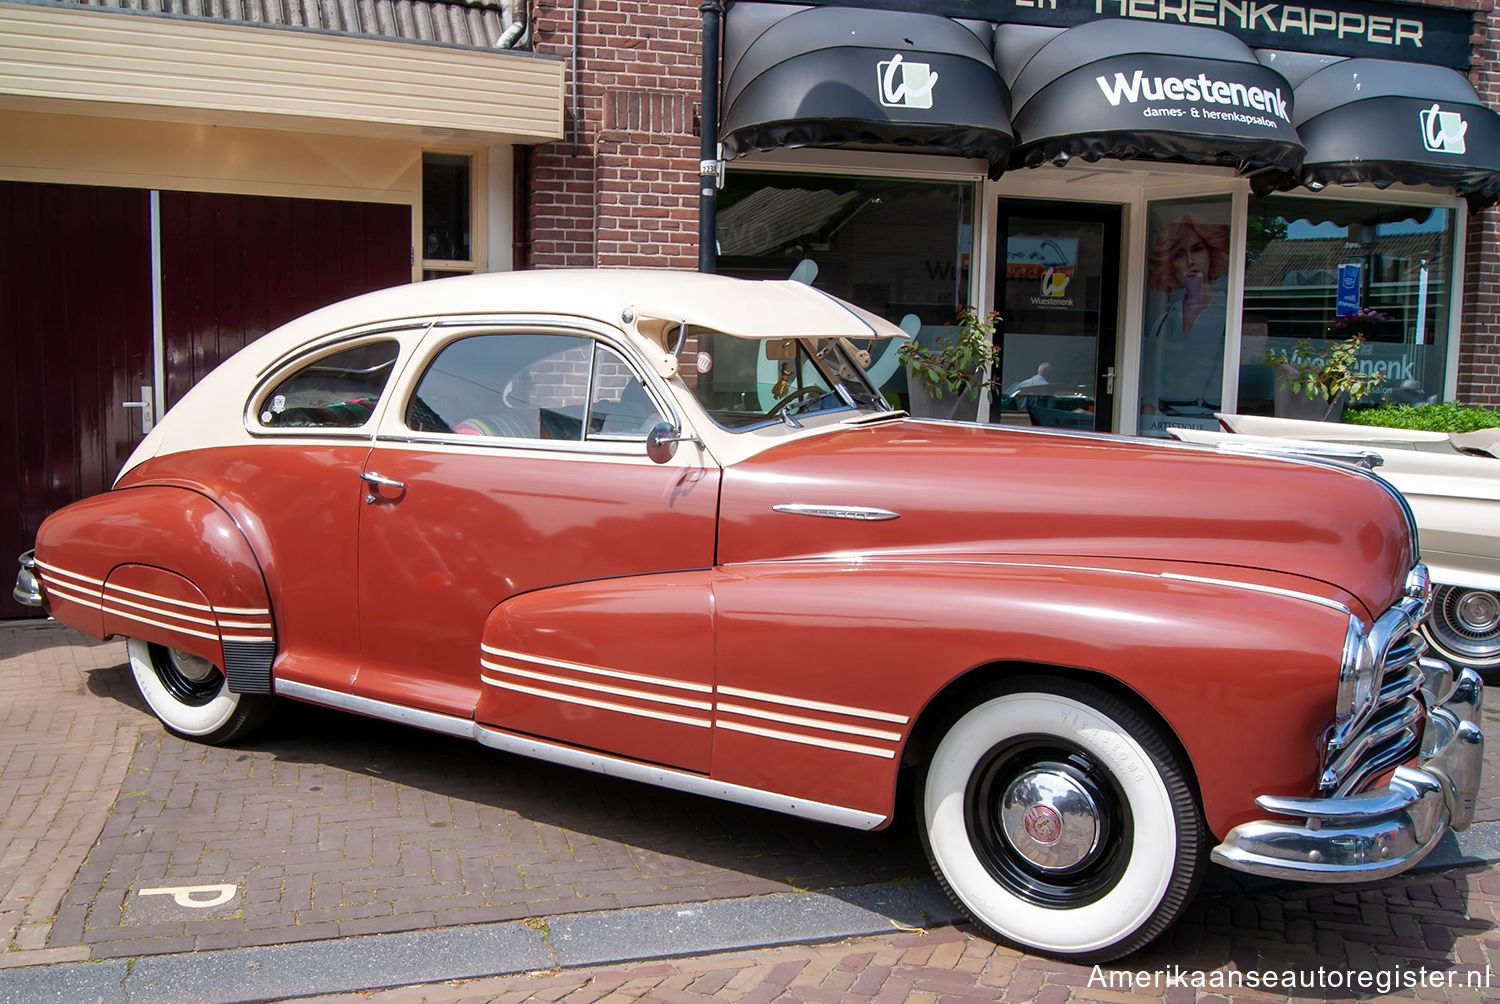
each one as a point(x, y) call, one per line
point(28, 589)
point(1352, 835)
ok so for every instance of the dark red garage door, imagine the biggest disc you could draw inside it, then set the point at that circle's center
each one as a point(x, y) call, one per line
point(75, 316)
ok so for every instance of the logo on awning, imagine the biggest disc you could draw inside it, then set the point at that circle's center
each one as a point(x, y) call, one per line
point(1443, 132)
point(905, 85)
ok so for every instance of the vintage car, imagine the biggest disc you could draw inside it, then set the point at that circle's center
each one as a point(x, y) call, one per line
point(662, 526)
point(1452, 483)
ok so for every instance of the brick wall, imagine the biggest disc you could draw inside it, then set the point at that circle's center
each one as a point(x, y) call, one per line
point(1479, 359)
point(626, 193)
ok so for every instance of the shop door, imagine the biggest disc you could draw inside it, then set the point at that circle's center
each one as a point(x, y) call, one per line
point(75, 324)
point(1057, 292)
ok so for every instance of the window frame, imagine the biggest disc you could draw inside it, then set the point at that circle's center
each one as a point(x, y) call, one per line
point(442, 334)
point(289, 364)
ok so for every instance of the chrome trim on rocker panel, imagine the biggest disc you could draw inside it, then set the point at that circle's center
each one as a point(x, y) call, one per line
point(432, 721)
point(598, 763)
point(695, 784)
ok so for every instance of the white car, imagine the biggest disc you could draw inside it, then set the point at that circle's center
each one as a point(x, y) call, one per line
point(1452, 483)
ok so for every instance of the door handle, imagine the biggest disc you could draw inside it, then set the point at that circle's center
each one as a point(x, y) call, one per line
point(148, 409)
point(378, 481)
point(1109, 380)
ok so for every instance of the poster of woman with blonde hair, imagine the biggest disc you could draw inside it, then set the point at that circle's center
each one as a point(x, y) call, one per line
point(1182, 355)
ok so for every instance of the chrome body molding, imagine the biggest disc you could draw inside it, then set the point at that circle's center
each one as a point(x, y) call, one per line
point(1377, 834)
point(662, 777)
point(432, 721)
point(568, 756)
point(28, 589)
point(864, 513)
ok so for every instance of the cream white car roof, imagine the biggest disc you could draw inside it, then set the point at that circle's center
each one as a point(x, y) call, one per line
point(743, 308)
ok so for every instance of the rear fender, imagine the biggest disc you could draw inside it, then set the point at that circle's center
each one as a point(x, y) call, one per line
point(166, 565)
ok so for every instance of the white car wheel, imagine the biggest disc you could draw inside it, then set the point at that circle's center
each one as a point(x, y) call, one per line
point(1063, 824)
point(190, 695)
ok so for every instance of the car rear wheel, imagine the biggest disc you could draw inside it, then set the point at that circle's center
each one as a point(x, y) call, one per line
point(191, 696)
point(1465, 628)
point(1063, 824)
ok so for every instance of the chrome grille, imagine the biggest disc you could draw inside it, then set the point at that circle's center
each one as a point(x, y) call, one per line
point(1389, 731)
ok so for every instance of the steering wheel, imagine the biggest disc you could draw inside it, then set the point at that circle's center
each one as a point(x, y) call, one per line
point(791, 399)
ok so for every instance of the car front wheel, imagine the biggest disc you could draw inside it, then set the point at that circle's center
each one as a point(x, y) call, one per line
point(1064, 824)
point(191, 696)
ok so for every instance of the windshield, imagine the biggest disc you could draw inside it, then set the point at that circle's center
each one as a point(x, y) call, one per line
point(743, 383)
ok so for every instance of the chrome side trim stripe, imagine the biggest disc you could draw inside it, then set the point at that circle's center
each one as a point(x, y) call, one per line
point(108, 590)
point(1256, 588)
point(663, 777)
point(863, 513)
point(69, 575)
point(601, 688)
point(579, 667)
point(814, 723)
point(793, 737)
point(160, 598)
point(432, 721)
point(161, 624)
point(798, 702)
point(66, 592)
point(701, 723)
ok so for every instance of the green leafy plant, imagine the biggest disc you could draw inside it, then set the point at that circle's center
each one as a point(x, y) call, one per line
point(1449, 416)
point(1327, 374)
point(967, 361)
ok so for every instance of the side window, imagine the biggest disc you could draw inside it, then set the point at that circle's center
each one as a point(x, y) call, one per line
point(530, 386)
point(338, 391)
point(620, 407)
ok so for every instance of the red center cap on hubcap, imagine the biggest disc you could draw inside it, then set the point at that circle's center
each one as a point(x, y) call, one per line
point(1043, 824)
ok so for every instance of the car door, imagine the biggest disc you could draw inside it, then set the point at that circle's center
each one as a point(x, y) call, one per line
point(520, 556)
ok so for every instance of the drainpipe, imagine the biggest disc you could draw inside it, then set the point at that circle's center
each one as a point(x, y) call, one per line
point(710, 168)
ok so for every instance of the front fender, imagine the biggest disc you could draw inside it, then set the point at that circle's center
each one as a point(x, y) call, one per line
point(165, 565)
point(1244, 676)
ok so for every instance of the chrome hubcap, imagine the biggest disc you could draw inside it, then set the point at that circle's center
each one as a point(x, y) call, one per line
point(193, 668)
point(1050, 819)
point(1478, 612)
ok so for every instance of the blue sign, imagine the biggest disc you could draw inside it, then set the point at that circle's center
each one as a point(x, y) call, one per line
point(1348, 302)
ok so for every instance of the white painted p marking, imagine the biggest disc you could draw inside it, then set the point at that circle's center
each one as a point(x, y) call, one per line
point(185, 895)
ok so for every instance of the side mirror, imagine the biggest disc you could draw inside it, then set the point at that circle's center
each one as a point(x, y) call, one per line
point(662, 440)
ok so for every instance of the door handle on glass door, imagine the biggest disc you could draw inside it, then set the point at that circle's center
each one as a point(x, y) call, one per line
point(1109, 380)
point(148, 409)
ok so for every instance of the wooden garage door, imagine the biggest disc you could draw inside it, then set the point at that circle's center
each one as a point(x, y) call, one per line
point(75, 316)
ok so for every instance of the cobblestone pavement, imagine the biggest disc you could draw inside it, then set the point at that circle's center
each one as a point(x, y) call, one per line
point(331, 826)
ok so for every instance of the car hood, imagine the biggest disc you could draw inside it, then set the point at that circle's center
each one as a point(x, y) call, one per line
point(977, 491)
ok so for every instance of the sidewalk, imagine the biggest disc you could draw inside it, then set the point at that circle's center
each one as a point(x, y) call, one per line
point(357, 856)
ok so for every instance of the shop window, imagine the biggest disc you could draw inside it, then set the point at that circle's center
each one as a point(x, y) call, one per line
point(1186, 306)
point(893, 246)
point(1317, 270)
point(447, 214)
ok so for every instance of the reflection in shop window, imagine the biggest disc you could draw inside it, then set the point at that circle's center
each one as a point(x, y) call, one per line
point(1182, 350)
point(1395, 263)
point(893, 246)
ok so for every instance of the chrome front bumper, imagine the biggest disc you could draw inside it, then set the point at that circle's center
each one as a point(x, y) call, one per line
point(1376, 834)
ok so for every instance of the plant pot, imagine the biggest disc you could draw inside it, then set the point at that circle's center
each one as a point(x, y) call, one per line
point(954, 406)
point(1311, 409)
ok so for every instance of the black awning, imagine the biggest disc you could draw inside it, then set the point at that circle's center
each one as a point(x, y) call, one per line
point(1134, 89)
point(1381, 122)
point(850, 77)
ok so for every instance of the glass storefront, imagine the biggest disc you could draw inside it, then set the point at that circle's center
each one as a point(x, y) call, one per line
point(894, 246)
point(1320, 270)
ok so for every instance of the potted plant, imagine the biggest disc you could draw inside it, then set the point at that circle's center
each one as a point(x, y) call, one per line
point(1317, 384)
point(947, 376)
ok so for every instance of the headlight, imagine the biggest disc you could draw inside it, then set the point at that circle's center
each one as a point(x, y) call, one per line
point(1356, 682)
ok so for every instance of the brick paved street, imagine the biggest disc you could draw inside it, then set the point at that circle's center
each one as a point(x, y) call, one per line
point(330, 826)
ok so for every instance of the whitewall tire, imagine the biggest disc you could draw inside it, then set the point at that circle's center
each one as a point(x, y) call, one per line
point(1063, 823)
point(191, 696)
